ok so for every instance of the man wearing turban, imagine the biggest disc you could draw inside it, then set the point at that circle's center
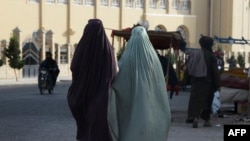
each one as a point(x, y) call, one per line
point(204, 79)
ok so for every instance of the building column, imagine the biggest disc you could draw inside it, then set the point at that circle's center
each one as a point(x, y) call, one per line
point(68, 53)
point(50, 35)
point(121, 13)
point(96, 8)
point(41, 44)
point(53, 50)
point(17, 35)
point(69, 29)
point(146, 7)
point(58, 59)
point(41, 5)
point(3, 45)
point(143, 19)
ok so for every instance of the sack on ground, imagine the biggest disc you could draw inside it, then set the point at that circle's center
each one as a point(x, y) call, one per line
point(216, 102)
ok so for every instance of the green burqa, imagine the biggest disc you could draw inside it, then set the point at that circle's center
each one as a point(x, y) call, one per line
point(138, 103)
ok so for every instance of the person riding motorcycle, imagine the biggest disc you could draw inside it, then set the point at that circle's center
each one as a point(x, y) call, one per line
point(51, 66)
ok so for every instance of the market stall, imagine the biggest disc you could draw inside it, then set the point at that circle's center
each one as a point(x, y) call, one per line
point(234, 81)
point(161, 40)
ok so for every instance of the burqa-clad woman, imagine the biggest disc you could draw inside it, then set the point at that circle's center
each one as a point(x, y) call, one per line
point(138, 104)
point(204, 78)
point(93, 69)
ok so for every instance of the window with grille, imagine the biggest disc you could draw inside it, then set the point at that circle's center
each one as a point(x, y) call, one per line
point(139, 3)
point(78, 2)
point(129, 3)
point(185, 5)
point(162, 4)
point(36, 1)
point(63, 1)
point(63, 58)
point(89, 2)
point(115, 3)
point(175, 4)
point(104, 2)
point(50, 1)
point(152, 3)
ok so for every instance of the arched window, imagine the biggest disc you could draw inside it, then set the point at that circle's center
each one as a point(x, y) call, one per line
point(183, 32)
point(160, 28)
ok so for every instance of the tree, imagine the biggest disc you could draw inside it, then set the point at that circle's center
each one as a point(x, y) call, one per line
point(13, 54)
point(241, 60)
point(232, 62)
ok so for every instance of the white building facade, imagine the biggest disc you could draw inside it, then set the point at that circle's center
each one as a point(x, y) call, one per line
point(57, 25)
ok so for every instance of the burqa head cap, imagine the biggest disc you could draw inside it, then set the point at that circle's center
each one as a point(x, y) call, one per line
point(206, 42)
point(48, 55)
point(92, 21)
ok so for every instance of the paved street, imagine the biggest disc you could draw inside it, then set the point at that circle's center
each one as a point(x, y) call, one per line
point(25, 115)
point(180, 131)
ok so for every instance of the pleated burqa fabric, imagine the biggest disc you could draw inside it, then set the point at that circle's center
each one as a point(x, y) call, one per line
point(138, 104)
point(93, 70)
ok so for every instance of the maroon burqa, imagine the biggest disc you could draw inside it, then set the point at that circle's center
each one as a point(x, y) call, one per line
point(93, 68)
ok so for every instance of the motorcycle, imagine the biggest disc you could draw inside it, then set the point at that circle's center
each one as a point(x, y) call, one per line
point(45, 81)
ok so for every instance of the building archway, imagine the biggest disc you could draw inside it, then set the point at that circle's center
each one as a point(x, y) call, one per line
point(160, 27)
point(184, 33)
point(30, 54)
